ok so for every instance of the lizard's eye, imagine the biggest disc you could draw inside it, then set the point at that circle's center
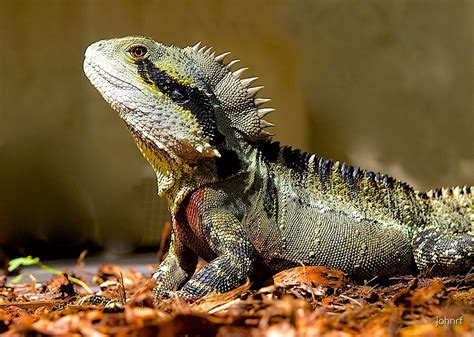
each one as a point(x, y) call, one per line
point(179, 94)
point(138, 52)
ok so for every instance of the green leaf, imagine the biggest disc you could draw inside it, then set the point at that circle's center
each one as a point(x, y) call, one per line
point(22, 261)
point(50, 269)
point(80, 283)
point(15, 280)
point(70, 278)
point(30, 261)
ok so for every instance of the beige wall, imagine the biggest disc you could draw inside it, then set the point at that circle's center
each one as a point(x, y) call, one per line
point(385, 85)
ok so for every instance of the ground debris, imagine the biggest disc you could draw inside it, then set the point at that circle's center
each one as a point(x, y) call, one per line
point(303, 301)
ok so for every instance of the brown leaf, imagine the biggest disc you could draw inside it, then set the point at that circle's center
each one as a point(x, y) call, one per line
point(182, 325)
point(421, 296)
point(62, 286)
point(317, 275)
point(137, 316)
point(303, 302)
point(214, 301)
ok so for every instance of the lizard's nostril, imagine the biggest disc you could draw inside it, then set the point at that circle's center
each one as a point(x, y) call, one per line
point(99, 45)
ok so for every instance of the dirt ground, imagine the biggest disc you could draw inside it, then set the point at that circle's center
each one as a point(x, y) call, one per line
point(303, 301)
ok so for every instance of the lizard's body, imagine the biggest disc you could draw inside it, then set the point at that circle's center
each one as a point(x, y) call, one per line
point(251, 207)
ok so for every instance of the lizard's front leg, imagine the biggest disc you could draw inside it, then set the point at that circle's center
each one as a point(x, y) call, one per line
point(235, 259)
point(178, 266)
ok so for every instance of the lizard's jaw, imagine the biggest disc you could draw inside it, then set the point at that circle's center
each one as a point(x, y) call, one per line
point(118, 94)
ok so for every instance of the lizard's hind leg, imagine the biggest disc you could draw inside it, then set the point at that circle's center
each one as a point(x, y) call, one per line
point(437, 252)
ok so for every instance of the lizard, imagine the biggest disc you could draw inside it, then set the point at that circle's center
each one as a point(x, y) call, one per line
point(246, 204)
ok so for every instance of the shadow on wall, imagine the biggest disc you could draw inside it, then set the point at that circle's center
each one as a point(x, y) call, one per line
point(383, 85)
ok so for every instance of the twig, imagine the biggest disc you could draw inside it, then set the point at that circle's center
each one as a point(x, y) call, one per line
point(33, 283)
point(352, 300)
point(80, 262)
point(123, 294)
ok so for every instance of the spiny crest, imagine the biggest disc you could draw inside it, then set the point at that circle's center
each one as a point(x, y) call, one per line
point(235, 95)
point(453, 207)
point(448, 192)
point(303, 162)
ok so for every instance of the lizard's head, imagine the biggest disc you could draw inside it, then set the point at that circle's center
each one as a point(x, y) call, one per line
point(183, 102)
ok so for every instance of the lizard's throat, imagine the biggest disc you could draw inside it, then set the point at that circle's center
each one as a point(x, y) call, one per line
point(168, 170)
point(174, 177)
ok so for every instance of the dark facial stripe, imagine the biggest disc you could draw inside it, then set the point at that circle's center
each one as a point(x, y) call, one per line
point(143, 73)
point(189, 98)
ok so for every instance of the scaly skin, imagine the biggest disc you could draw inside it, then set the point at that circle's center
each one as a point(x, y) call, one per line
point(251, 207)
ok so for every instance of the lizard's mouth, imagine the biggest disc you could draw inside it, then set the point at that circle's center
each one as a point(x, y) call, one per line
point(93, 71)
point(152, 144)
point(113, 89)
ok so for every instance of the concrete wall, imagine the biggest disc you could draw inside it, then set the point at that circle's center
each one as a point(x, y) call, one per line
point(385, 85)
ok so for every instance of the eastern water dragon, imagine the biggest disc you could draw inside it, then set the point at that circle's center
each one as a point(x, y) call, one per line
point(251, 207)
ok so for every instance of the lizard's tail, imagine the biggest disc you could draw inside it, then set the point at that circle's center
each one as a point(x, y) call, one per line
point(446, 244)
point(452, 208)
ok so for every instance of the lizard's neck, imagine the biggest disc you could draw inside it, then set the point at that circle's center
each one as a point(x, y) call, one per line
point(176, 181)
point(184, 182)
point(176, 177)
point(245, 150)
